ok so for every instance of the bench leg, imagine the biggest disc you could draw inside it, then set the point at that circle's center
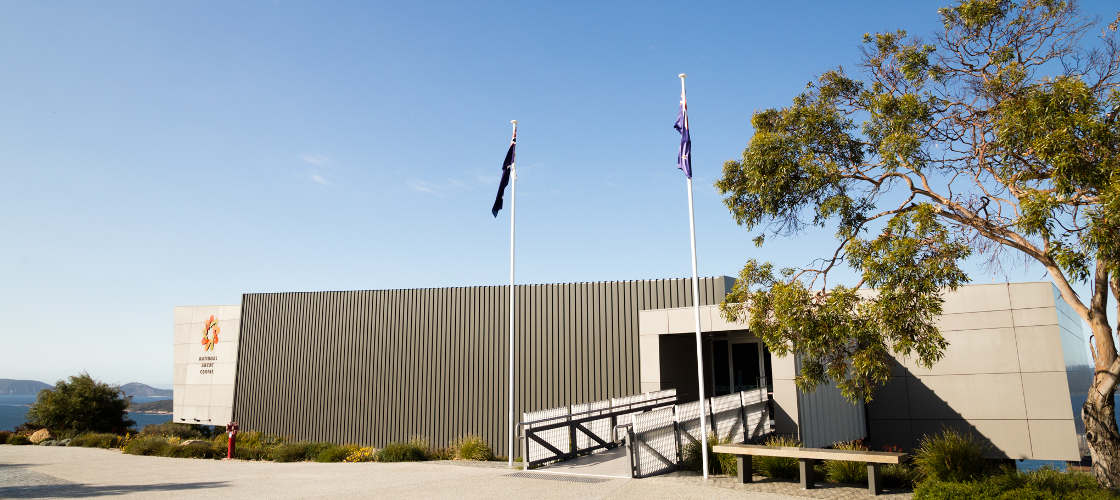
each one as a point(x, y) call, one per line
point(873, 480)
point(746, 472)
point(807, 473)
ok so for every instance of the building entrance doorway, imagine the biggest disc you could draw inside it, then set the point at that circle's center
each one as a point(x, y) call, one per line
point(738, 363)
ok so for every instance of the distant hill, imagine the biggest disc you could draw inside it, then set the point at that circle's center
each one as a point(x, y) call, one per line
point(137, 389)
point(22, 387)
point(161, 406)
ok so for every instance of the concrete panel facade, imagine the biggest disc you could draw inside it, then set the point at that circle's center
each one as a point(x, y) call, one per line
point(204, 375)
point(1005, 377)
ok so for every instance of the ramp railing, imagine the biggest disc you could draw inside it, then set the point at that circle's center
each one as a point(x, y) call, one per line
point(569, 431)
point(657, 439)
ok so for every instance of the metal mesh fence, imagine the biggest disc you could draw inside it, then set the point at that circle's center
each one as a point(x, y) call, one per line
point(601, 428)
point(558, 438)
point(727, 417)
point(758, 415)
point(654, 448)
point(688, 416)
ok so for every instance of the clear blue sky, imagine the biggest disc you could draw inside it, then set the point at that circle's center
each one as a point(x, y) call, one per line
point(169, 153)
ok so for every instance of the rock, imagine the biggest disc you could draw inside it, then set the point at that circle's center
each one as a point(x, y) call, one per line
point(192, 441)
point(63, 442)
point(39, 436)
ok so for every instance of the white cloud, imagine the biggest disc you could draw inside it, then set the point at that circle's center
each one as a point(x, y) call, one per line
point(318, 179)
point(316, 160)
point(421, 187)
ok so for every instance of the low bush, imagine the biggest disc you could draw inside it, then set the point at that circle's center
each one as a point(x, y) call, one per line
point(898, 476)
point(96, 440)
point(195, 449)
point(296, 451)
point(839, 471)
point(18, 439)
point(172, 429)
point(472, 448)
point(1043, 484)
point(951, 456)
point(147, 445)
point(412, 451)
point(778, 467)
point(364, 454)
point(335, 453)
point(5, 436)
point(250, 452)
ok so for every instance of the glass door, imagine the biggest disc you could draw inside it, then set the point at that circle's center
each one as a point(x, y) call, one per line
point(746, 366)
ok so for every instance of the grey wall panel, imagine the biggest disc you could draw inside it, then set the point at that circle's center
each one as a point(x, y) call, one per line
point(373, 367)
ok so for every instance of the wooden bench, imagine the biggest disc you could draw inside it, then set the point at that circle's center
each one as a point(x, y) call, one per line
point(806, 457)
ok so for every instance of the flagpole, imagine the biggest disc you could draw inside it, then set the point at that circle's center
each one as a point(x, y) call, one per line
point(696, 314)
point(512, 218)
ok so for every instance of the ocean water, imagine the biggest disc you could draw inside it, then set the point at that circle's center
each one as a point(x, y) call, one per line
point(13, 412)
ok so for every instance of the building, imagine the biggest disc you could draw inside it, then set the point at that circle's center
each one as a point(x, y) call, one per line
point(378, 366)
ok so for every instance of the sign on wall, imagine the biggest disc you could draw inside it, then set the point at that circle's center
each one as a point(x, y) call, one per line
point(205, 363)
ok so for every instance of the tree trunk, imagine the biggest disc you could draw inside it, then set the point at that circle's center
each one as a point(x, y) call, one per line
point(1101, 433)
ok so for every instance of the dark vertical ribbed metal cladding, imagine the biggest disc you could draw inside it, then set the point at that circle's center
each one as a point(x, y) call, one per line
point(378, 366)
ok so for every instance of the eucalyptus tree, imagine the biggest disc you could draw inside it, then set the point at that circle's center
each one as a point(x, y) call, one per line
point(998, 136)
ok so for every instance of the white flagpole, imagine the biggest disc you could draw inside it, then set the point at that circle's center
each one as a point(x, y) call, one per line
point(696, 312)
point(512, 218)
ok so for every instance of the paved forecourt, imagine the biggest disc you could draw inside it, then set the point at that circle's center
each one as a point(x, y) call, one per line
point(48, 471)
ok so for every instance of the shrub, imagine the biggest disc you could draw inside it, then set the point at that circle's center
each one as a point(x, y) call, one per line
point(366, 454)
point(898, 476)
point(335, 453)
point(18, 439)
point(96, 440)
point(778, 467)
point(249, 452)
point(147, 445)
point(296, 451)
point(195, 449)
point(172, 429)
point(412, 451)
point(5, 436)
point(80, 404)
point(951, 456)
point(839, 471)
point(472, 447)
point(1043, 484)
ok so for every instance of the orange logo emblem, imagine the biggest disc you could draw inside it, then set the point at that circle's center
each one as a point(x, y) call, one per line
point(211, 327)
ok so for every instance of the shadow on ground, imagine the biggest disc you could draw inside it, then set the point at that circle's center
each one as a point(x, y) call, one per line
point(18, 481)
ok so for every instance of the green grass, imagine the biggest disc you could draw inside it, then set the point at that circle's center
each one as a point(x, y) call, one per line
point(471, 448)
point(951, 456)
point(412, 451)
point(839, 471)
point(147, 445)
point(1043, 484)
point(778, 467)
point(96, 440)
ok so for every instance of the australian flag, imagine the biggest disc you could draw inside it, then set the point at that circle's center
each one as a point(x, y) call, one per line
point(684, 156)
point(507, 165)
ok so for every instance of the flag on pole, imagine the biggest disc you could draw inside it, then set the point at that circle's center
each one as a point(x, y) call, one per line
point(506, 164)
point(684, 156)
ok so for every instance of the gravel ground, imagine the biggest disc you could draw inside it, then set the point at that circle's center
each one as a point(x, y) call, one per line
point(62, 472)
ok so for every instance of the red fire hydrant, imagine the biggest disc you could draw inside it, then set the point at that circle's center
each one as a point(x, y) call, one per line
point(231, 428)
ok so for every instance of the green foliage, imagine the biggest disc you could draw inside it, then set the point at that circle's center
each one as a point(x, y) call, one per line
point(18, 439)
point(297, 451)
point(335, 453)
point(5, 435)
point(1043, 484)
point(778, 467)
point(692, 460)
point(147, 445)
point(413, 451)
point(472, 447)
point(364, 454)
point(951, 456)
point(80, 404)
point(839, 471)
point(195, 449)
point(899, 475)
point(1004, 135)
point(172, 429)
point(96, 440)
